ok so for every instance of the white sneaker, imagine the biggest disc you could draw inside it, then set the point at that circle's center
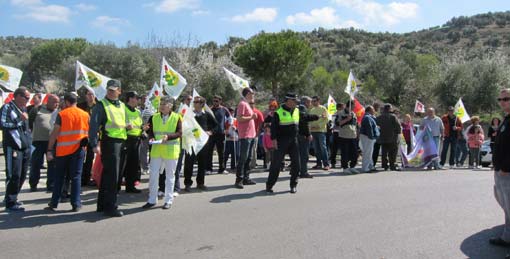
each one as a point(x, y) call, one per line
point(161, 194)
point(347, 171)
point(176, 194)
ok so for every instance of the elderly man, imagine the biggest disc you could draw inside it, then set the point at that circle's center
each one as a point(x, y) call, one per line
point(501, 158)
point(41, 130)
point(437, 129)
point(389, 137)
point(16, 145)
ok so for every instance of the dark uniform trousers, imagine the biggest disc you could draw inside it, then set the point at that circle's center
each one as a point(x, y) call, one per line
point(285, 145)
point(110, 156)
point(130, 163)
point(201, 159)
point(389, 154)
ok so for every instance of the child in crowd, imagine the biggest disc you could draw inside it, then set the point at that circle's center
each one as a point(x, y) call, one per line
point(475, 140)
point(268, 146)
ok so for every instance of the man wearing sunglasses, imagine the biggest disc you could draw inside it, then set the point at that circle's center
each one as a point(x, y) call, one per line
point(501, 158)
point(16, 144)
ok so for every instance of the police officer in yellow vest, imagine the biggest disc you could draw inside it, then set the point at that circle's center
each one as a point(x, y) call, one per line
point(109, 119)
point(165, 133)
point(284, 133)
point(130, 158)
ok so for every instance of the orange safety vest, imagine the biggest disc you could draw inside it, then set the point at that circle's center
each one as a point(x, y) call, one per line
point(73, 128)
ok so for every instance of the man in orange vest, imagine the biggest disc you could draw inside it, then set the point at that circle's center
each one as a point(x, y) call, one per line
point(71, 134)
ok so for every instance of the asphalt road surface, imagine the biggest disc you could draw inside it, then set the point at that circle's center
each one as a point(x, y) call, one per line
point(441, 214)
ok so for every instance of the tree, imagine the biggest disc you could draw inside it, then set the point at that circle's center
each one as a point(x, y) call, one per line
point(278, 58)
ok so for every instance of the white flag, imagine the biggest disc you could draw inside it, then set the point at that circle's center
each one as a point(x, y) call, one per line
point(419, 107)
point(194, 137)
point(460, 111)
point(92, 80)
point(171, 80)
point(352, 88)
point(152, 100)
point(236, 81)
point(10, 77)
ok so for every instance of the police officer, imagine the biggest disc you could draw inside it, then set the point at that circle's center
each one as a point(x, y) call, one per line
point(284, 132)
point(130, 158)
point(109, 117)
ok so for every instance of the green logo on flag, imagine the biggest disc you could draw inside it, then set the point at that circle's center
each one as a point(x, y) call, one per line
point(4, 75)
point(171, 78)
point(94, 81)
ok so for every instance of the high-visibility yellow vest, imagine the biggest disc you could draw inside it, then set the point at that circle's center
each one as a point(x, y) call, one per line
point(115, 126)
point(286, 118)
point(74, 126)
point(135, 119)
point(171, 148)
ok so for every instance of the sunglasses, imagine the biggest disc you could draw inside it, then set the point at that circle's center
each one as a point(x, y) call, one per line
point(505, 99)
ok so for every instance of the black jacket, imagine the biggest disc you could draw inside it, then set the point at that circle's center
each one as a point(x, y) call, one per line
point(501, 152)
point(304, 118)
point(283, 131)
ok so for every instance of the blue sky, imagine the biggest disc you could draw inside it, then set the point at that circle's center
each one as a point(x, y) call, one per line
point(208, 20)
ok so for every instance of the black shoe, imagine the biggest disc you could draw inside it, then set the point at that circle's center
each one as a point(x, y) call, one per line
point(317, 167)
point(15, 208)
point(269, 190)
point(293, 189)
point(202, 187)
point(114, 213)
point(33, 188)
point(221, 171)
point(167, 206)
point(148, 205)
point(498, 241)
point(239, 185)
point(133, 190)
point(249, 182)
point(99, 209)
point(187, 188)
point(76, 208)
point(92, 183)
point(306, 176)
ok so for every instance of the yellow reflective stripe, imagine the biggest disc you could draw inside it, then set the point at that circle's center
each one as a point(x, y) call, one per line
point(68, 143)
point(72, 132)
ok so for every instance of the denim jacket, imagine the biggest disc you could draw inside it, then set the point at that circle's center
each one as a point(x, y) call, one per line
point(369, 127)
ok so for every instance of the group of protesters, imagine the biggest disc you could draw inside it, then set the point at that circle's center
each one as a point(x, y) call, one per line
point(128, 142)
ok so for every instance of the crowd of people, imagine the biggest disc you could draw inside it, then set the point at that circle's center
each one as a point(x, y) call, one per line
point(128, 143)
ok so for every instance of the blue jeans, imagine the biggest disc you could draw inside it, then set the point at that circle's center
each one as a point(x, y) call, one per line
point(449, 142)
point(461, 152)
point(243, 167)
point(37, 161)
point(321, 150)
point(73, 164)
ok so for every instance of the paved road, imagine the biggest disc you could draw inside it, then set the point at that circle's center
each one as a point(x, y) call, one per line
point(446, 214)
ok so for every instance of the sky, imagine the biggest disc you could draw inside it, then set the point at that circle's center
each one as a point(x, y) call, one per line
point(208, 20)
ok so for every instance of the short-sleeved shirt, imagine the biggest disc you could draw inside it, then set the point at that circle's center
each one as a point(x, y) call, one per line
point(320, 125)
point(246, 129)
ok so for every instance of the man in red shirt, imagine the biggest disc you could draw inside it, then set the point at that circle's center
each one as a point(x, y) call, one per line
point(259, 121)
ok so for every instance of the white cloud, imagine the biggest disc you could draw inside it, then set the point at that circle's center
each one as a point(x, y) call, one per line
point(39, 11)
point(170, 6)
point(85, 7)
point(200, 12)
point(257, 15)
point(375, 13)
point(109, 24)
point(325, 17)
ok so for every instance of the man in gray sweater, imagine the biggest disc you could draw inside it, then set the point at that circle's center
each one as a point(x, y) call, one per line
point(42, 126)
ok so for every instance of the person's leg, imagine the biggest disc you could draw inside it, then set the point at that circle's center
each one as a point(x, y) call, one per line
point(220, 148)
point(161, 181)
point(471, 157)
point(292, 149)
point(202, 159)
point(317, 148)
point(367, 153)
point(36, 162)
point(334, 149)
point(502, 183)
point(476, 156)
point(228, 152)
point(170, 168)
point(344, 152)
point(132, 164)
point(354, 154)
point(444, 152)
point(61, 164)
point(247, 168)
point(244, 145)
point(111, 156)
point(50, 175)
point(464, 151)
point(393, 151)
point(384, 154)
point(453, 149)
point(188, 169)
point(274, 169)
point(304, 146)
point(253, 160)
point(75, 170)
point(324, 150)
point(154, 166)
point(143, 154)
point(177, 179)
point(87, 166)
point(375, 153)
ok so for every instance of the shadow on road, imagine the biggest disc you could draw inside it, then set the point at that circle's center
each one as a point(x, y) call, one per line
point(477, 245)
point(243, 196)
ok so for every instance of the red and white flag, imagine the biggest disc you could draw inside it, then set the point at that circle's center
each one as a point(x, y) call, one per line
point(419, 107)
